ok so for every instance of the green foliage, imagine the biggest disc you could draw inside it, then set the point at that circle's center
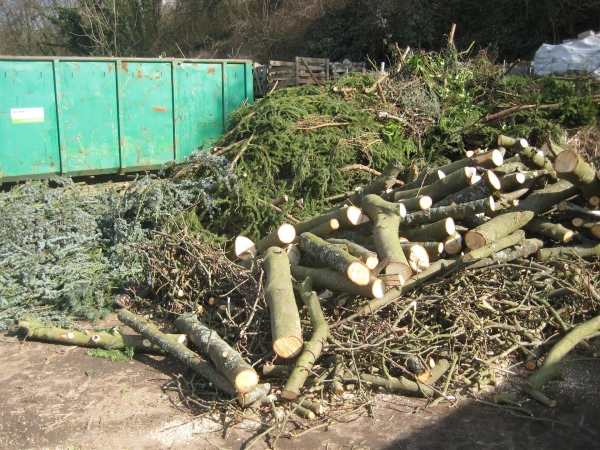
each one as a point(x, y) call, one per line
point(113, 354)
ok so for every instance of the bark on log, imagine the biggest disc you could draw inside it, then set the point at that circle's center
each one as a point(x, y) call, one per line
point(458, 211)
point(453, 244)
point(526, 248)
point(279, 294)
point(482, 189)
point(418, 203)
point(332, 280)
point(433, 232)
point(180, 351)
point(425, 179)
point(332, 256)
point(551, 367)
point(512, 180)
point(546, 228)
point(574, 252)
point(440, 189)
point(569, 166)
point(281, 237)
point(434, 249)
point(518, 216)
point(509, 142)
point(536, 160)
point(326, 228)
point(382, 183)
point(483, 252)
point(512, 165)
point(367, 256)
point(571, 208)
point(349, 216)
point(109, 341)
point(485, 160)
point(386, 221)
point(417, 257)
point(227, 360)
point(313, 348)
point(279, 200)
point(244, 248)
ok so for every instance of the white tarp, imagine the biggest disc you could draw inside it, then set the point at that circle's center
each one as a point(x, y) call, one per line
point(581, 55)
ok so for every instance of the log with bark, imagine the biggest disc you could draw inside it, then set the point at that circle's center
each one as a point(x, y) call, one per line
point(552, 230)
point(313, 348)
point(433, 232)
point(348, 216)
point(334, 281)
point(367, 256)
point(573, 252)
point(32, 329)
point(282, 236)
point(386, 221)
point(454, 182)
point(458, 211)
point(569, 166)
point(178, 350)
point(279, 294)
point(227, 360)
point(338, 259)
point(518, 216)
point(484, 188)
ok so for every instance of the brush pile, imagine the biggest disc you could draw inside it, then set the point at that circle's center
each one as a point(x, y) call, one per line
point(371, 243)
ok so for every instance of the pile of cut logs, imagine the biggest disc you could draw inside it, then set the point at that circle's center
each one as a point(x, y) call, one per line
point(384, 241)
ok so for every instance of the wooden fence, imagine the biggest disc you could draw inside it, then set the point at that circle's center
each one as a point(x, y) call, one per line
point(316, 71)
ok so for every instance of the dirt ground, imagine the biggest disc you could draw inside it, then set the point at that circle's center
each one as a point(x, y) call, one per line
point(58, 397)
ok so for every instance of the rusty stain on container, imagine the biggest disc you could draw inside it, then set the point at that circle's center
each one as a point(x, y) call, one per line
point(211, 70)
point(159, 108)
point(139, 74)
point(110, 68)
point(124, 66)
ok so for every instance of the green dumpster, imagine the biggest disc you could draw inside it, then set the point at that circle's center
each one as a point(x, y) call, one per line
point(87, 116)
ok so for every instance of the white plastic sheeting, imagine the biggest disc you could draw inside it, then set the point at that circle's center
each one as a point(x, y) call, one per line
point(581, 55)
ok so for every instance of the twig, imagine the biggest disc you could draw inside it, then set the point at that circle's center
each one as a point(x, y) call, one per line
point(279, 210)
point(323, 125)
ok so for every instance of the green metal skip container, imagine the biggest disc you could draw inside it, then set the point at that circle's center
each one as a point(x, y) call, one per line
point(89, 116)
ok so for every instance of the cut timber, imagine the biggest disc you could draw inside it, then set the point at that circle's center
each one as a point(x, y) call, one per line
point(293, 253)
point(326, 228)
point(386, 220)
point(346, 216)
point(368, 257)
point(508, 142)
point(334, 281)
point(179, 351)
point(526, 248)
point(281, 237)
point(477, 191)
point(279, 294)
point(424, 180)
point(417, 257)
point(574, 252)
point(332, 256)
point(483, 252)
point(440, 189)
point(313, 348)
point(227, 360)
point(33, 329)
point(459, 211)
point(435, 232)
point(453, 244)
point(571, 208)
point(512, 181)
point(486, 160)
point(552, 366)
point(280, 200)
point(569, 166)
point(244, 248)
point(546, 228)
point(536, 160)
point(518, 216)
point(512, 165)
point(434, 249)
point(418, 203)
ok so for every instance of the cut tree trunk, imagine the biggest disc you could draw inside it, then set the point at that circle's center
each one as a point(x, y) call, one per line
point(101, 339)
point(227, 360)
point(536, 160)
point(179, 351)
point(508, 142)
point(281, 237)
point(546, 228)
point(279, 294)
point(480, 190)
point(313, 348)
point(574, 252)
point(483, 252)
point(418, 203)
point(458, 211)
point(433, 232)
point(367, 256)
point(485, 160)
point(518, 216)
point(382, 183)
point(347, 217)
point(569, 166)
point(332, 256)
point(334, 281)
point(386, 220)
point(424, 180)
point(453, 244)
point(326, 228)
point(440, 189)
point(434, 249)
point(244, 248)
point(417, 257)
